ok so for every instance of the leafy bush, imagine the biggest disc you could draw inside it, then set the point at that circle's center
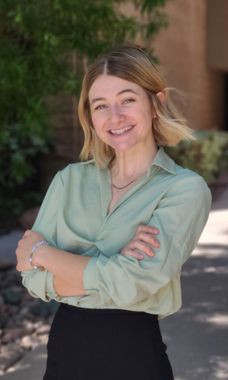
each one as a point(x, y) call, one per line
point(19, 151)
point(208, 155)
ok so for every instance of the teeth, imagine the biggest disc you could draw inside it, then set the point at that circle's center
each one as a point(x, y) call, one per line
point(120, 131)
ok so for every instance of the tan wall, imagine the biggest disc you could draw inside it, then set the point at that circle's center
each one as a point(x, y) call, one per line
point(182, 51)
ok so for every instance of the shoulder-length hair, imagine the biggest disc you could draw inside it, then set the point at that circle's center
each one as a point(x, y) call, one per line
point(134, 64)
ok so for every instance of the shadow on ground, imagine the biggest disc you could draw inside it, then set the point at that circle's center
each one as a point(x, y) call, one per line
point(197, 335)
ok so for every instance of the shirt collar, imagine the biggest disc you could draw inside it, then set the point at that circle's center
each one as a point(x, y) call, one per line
point(92, 160)
point(162, 160)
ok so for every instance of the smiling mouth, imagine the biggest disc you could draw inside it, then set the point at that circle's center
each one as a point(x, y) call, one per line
point(120, 131)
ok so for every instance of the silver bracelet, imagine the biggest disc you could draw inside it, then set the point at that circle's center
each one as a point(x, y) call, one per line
point(34, 248)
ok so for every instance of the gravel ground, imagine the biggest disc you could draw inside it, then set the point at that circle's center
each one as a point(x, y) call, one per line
point(24, 321)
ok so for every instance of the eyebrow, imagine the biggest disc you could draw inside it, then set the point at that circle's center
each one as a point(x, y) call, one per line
point(119, 93)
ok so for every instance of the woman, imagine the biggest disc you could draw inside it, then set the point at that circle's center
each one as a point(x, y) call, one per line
point(93, 246)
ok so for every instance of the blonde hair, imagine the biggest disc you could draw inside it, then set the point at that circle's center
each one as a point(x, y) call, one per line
point(134, 64)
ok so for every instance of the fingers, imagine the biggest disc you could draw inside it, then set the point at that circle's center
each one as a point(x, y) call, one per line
point(145, 238)
point(148, 238)
point(141, 246)
point(131, 252)
point(148, 229)
point(142, 242)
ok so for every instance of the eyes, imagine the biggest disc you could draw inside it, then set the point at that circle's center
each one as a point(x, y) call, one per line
point(105, 106)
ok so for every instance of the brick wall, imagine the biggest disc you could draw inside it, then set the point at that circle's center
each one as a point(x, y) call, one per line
point(182, 50)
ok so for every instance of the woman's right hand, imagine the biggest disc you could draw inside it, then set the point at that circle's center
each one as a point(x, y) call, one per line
point(142, 243)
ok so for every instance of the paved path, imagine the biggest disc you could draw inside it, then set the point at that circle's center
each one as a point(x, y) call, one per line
point(197, 335)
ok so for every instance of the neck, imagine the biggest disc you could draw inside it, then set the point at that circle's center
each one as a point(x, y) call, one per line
point(129, 165)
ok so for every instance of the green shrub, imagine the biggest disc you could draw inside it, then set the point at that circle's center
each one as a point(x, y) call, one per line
point(208, 155)
point(19, 152)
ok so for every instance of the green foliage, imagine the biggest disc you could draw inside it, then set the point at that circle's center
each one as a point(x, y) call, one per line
point(208, 155)
point(44, 46)
point(17, 146)
point(19, 152)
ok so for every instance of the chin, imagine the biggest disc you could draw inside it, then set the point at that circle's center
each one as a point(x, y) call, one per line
point(121, 148)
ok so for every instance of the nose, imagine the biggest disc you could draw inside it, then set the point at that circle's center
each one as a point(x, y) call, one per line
point(115, 113)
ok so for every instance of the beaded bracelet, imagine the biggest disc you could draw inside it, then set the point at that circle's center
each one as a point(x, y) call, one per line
point(34, 248)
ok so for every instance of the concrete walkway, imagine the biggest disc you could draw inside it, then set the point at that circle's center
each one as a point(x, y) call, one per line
point(197, 335)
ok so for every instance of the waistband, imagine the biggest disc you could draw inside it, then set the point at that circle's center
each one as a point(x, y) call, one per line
point(76, 309)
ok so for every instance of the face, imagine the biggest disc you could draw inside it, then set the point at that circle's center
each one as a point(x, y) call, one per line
point(121, 113)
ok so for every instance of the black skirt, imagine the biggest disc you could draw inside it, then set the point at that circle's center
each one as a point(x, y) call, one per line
point(106, 344)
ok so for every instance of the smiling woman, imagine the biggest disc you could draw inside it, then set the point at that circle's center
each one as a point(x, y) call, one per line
point(119, 227)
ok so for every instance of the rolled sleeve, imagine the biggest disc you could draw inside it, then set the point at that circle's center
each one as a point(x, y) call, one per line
point(35, 282)
point(180, 217)
point(40, 285)
point(50, 290)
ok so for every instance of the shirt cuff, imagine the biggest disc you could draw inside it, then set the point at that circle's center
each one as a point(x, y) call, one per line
point(90, 277)
point(49, 288)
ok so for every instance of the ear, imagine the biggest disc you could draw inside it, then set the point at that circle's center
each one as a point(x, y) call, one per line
point(161, 96)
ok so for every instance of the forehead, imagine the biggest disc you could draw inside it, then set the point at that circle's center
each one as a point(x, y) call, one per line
point(106, 85)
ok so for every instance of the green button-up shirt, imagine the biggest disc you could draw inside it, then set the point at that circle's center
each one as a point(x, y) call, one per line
point(74, 217)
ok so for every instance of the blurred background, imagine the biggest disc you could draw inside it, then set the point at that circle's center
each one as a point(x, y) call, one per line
point(45, 47)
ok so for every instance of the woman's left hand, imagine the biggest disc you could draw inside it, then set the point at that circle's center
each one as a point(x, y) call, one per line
point(24, 249)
